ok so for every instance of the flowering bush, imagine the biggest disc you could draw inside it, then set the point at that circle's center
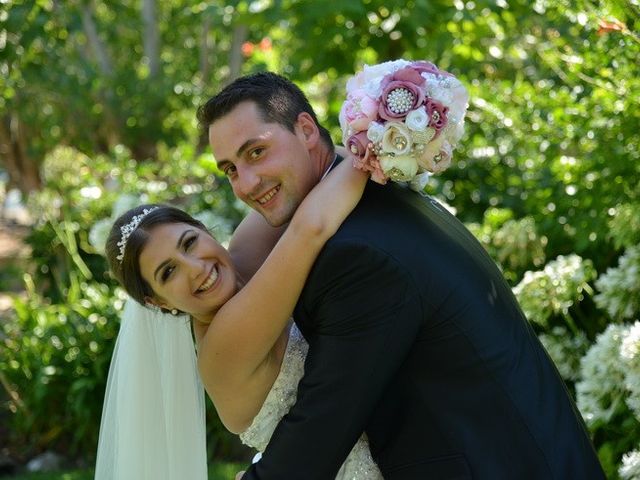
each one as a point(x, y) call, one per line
point(514, 244)
point(624, 226)
point(553, 290)
point(601, 391)
point(566, 350)
point(630, 356)
point(619, 288)
point(630, 468)
point(403, 118)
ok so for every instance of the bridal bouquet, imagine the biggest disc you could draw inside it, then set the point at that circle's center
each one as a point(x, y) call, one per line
point(402, 120)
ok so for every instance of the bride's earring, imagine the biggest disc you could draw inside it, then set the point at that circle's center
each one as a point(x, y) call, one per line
point(174, 311)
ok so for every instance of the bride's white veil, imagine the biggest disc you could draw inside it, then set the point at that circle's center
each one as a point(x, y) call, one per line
point(153, 419)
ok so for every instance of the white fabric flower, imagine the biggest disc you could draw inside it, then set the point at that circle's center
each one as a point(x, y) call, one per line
point(375, 132)
point(396, 139)
point(420, 181)
point(417, 120)
point(399, 168)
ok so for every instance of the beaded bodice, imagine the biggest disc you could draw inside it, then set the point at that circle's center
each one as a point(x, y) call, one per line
point(358, 465)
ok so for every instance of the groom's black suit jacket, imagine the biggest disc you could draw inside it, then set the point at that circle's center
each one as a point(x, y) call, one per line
point(416, 339)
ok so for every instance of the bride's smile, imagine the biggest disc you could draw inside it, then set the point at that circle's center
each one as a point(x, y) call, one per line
point(187, 269)
point(209, 281)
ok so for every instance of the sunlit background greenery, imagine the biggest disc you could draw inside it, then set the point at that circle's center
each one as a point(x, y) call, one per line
point(97, 113)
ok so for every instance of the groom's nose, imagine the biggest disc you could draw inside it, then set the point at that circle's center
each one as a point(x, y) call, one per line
point(247, 183)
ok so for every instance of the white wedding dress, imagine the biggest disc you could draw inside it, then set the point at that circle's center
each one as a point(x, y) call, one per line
point(358, 465)
point(153, 419)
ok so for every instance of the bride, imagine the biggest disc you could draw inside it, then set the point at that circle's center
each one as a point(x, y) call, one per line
point(250, 355)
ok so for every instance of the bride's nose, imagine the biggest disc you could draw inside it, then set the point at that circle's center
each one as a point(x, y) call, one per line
point(195, 267)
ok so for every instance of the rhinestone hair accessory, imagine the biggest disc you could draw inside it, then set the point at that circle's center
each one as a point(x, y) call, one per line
point(128, 229)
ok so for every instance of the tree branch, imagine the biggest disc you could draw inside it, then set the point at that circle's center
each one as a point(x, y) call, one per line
point(98, 47)
point(151, 40)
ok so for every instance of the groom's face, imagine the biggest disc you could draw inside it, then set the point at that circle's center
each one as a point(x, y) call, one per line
point(269, 166)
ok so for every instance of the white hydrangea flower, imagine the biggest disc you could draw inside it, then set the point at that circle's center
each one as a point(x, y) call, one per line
point(554, 289)
point(99, 233)
point(630, 468)
point(619, 288)
point(630, 349)
point(565, 349)
point(601, 390)
point(630, 356)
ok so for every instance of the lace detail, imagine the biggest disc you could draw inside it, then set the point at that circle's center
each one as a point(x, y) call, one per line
point(359, 465)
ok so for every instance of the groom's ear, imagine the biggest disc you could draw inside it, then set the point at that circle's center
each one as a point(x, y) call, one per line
point(307, 129)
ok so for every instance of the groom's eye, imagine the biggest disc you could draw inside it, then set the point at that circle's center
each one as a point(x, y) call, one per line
point(229, 171)
point(255, 153)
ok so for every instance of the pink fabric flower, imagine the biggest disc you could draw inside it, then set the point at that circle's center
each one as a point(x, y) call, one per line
point(409, 93)
point(437, 114)
point(428, 67)
point(371, 164)
point(425, 67)
point(360, 110)
point(386, 108)
point(357, 144)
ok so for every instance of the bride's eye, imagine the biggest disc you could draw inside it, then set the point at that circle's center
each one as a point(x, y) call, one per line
point(166, 273)
point(189, 242)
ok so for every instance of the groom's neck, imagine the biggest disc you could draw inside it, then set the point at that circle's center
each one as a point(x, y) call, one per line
point(322, 158)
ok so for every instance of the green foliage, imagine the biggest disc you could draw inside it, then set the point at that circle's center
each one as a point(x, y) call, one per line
point(56, 358)
point(58, 344)
point(624, 225)
point(546, 176)
point(551, 292)
point(514, 244)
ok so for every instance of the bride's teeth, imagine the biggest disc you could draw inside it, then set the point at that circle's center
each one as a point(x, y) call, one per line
point(209, 281)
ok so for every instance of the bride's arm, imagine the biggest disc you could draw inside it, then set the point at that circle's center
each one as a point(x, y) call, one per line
point(241, 338)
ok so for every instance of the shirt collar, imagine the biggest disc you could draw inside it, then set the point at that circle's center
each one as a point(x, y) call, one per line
point(330, 167)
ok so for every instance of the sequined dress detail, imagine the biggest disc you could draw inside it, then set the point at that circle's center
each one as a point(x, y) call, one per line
point(359, 465)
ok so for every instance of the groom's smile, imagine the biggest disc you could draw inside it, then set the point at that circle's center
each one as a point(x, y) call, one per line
point(264, 199)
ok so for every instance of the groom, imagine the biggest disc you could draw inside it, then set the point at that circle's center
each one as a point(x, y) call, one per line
point(414, 336)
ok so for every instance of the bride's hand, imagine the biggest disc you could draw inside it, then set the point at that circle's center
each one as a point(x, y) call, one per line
point(239, 475)
point(342, 151)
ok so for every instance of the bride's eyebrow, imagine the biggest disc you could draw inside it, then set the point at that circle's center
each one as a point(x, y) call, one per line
point(155, 274)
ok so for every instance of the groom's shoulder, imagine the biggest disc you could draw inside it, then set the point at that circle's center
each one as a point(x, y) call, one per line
point(392, 210)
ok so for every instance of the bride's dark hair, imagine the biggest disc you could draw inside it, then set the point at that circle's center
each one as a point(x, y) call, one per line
point(127, 270)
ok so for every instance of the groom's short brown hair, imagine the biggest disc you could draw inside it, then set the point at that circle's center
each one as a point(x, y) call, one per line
point(278, 100)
